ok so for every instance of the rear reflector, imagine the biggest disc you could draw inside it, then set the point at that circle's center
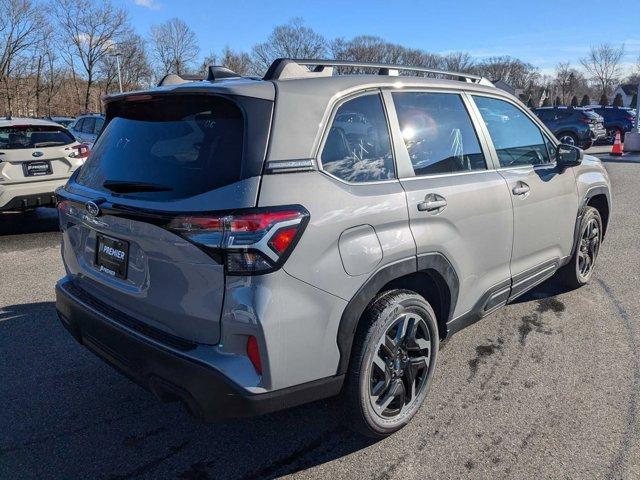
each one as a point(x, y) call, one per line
point(253, 352)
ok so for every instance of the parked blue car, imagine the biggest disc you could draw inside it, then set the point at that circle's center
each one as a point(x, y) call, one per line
point(573, 126)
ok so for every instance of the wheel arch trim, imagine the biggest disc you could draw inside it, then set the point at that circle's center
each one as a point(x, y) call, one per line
point(353, 311)
point(591, 192)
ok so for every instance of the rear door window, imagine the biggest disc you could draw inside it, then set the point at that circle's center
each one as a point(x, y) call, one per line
point(517, 139)
point(98, 125)
point(358, 146)
point(88, 125)
point(168, 147)
point(438, 133)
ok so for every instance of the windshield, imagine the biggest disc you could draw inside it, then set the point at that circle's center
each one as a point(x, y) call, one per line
point(33, 136)
point(168, 147)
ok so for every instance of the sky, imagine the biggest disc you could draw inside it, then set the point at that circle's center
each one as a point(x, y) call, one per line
point(542, 32)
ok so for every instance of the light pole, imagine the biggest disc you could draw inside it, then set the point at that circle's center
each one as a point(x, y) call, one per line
point(117, 55)
point(632, 138)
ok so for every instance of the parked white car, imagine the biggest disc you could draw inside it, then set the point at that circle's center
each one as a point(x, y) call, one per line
point(36, 157)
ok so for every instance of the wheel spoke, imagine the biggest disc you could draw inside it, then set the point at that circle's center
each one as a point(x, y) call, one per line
point(379, 362)
point(378, 389)
point(389, 344)
point(410, 378)
point(401, 330)
point(388, 397)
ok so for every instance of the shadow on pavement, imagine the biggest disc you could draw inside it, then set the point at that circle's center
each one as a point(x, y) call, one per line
point(634, 159)
point(547, 289)
point(37, 221)
point(66, 414)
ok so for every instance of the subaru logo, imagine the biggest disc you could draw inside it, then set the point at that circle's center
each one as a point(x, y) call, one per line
point(92, 209)
point(37, 154)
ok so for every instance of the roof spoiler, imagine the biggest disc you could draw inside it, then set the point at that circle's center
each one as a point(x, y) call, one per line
point(214, 73)
point(286, 68)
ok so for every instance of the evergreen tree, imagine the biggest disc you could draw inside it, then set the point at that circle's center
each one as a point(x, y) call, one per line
point(617, 102)
point(634, 101)
point(574, 101)
point(557, 102)
point(546, 102)
point(604, 101)
point(585, 101)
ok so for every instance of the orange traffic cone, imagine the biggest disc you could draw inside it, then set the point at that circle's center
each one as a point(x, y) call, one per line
point(616, 151)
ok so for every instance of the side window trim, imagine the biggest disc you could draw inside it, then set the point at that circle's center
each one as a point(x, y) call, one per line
point(404, 167)
point(544, 132)
point(329, 123)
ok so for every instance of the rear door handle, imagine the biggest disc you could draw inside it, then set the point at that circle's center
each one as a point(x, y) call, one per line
point(432, 202)
point(521, 189)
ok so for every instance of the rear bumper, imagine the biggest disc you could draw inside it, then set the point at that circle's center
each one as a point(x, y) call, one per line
point(21, 196)
point(173, 371)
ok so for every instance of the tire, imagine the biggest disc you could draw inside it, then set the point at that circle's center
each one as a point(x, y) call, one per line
point(568, 138)
point(574, 274)
point(586, 145)
point(388, 378)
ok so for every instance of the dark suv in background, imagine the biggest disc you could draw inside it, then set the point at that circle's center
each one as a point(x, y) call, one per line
point(572, 126)
point(615, 119)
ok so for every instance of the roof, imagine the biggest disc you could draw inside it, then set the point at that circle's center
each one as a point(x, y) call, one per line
point(305, 101)
point(5, 122)
point(629, 88)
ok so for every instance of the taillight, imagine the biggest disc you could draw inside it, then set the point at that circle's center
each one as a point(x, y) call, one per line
point(631, 118)
point(82, 151)
point(252, 242)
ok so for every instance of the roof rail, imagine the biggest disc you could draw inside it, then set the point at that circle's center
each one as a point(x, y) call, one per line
point(285, 68)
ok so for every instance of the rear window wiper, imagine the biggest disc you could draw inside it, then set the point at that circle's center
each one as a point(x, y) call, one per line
point(119, 186)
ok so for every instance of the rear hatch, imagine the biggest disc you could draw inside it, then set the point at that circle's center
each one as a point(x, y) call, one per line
point(31, 153)
point(159, 158)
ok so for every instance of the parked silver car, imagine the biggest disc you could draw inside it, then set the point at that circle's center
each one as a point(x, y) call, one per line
point(235, 244)
point(87, 127)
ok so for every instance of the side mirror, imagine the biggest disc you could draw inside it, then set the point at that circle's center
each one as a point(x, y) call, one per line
point(568, 155)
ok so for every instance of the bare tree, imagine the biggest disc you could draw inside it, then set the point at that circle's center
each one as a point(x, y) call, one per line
point(513, 71)
point(603, 65)
point(239, 62)
point(134, 65)
point(458, 62)
point(89, 31)
point(568, 81)
point(373, 49)
point(292, 40)
point(174, 46)
point(21, 29)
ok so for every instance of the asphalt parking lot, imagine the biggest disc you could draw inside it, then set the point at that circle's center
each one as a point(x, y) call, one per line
point(549, 387)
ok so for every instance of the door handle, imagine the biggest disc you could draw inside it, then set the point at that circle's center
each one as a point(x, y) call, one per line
point(521, 189)
point(431, 203)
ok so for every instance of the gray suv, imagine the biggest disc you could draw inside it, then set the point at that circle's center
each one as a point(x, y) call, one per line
point(236, 244)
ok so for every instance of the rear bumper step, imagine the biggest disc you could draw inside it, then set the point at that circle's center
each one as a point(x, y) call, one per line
point(169, 373)
point(25, 202)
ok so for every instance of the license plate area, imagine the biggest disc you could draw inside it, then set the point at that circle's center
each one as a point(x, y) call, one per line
point(112, 256)
point(37, 169)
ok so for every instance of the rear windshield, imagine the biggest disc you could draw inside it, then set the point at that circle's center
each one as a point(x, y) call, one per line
point(169, 147)
point(33, 136)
